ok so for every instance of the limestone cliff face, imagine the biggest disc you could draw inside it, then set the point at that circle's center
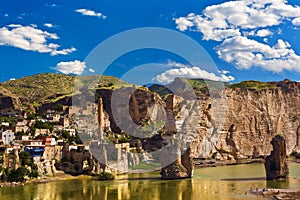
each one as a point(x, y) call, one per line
point(239, 125)
point(252, 119)
point(128, 108)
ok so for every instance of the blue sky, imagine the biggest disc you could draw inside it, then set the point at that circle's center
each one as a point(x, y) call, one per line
point(246, 39)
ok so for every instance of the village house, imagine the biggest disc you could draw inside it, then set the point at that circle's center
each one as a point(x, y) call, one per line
point(46, 140)
point(34, 147)
point(57, 128)
point(65, 121)
point(24, 137)
point(5, 124)
point(42, 131)
point(68, 110)
point(30, 122)
point(53, 152)
point(7, 137)
point(53, 117)
point(21, 127)
point(71, 131)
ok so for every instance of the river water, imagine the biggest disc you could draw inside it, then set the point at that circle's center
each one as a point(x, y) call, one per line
point(226, 182)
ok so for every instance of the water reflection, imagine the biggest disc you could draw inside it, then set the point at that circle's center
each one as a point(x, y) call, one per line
point(218, 183)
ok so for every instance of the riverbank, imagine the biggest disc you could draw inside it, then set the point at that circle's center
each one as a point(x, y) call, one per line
point(43, 180)
point(226, 182)
point(284, 194)
point(198, 164)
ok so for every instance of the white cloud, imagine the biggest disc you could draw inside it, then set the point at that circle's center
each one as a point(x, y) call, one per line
point(6, 15)
point(72, 67)
point(32, 39)
point(245, 53)
point(49, 25)
point(296, 21)
point(187, 71)
point(89, 12)
point(62, 51)
point(263, 33)
point(14, 25)
point(232, 22)
point(91, 70)
point(183, 23)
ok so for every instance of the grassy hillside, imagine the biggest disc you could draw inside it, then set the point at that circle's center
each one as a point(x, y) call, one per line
point(200, 86)
point(50, 87)
point(39, 87)
point(254, 85)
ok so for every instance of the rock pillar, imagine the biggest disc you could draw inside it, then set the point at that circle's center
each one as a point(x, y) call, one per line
point(182, 167)
point(100, 118)
point(275, 164)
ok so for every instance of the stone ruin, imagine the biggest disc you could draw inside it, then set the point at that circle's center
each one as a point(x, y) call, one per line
point(275, 164)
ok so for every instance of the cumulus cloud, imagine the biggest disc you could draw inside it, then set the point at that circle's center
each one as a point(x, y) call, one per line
point(236, 24)
point(72, 67)
point(245, 53)
point(88, 12)
point(263, 33)
point(183, 23)
point(296, 21)
point(187, 71)
point(32, 39)
point(49, 25)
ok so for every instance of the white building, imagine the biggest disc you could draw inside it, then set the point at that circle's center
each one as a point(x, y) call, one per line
point(7, 137)
point(6, 124)
point(71, 131)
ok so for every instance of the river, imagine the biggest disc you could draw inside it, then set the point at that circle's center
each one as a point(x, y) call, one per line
point(225, 182)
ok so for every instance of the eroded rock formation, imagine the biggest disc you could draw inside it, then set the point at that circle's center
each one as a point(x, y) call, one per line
point(183, 167)
point(275, 164)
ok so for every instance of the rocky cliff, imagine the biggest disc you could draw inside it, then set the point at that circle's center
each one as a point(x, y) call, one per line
point(9, 103)
point(232, 123)
point(242, 124)
point(254, 117)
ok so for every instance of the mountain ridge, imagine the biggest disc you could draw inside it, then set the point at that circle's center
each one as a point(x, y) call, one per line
point(29, 92)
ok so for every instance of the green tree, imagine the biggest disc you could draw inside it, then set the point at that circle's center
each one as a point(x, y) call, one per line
point(25, 158)
point(18, 175)
point(34, 173)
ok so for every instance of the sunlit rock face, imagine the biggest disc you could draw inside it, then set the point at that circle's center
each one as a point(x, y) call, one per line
point(275, 164)
point(254, 117)
point(237, 123)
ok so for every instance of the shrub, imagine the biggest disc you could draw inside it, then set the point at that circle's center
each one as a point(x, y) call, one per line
point(25, 158)
point(33, 174)
point(103, 176)
point(18, 175)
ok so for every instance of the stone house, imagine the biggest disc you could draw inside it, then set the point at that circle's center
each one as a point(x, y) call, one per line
point(41, 132)
point(53, 152)
point(7, 137)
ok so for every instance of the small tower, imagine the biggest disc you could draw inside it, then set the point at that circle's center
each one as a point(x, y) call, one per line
point(100, 118)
